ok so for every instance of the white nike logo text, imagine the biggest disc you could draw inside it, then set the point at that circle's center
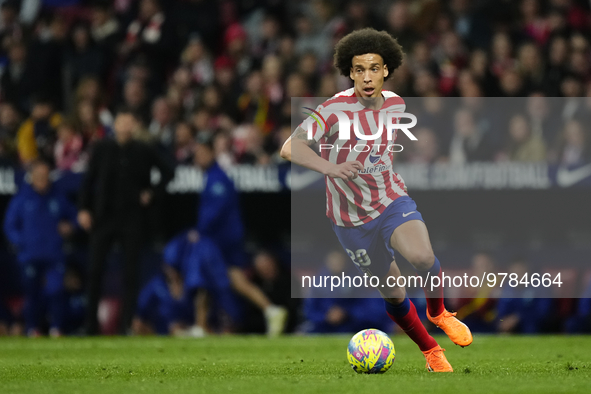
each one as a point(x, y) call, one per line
point(408, 213)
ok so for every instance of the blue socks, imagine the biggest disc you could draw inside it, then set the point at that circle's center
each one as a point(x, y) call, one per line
point(433, 271)
point(400, 310)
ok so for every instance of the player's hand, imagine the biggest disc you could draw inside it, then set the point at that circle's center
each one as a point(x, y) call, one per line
point(346, 171)
point(85, 219)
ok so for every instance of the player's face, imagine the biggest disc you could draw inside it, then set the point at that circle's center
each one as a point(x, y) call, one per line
point(368, 72)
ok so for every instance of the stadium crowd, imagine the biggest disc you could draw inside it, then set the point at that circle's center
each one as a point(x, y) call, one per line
point(199, 78)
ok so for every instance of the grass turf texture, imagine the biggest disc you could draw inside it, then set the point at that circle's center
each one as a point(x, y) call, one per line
point(251, 364)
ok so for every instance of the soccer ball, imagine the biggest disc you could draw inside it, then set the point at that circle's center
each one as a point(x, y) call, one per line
point(371, 351)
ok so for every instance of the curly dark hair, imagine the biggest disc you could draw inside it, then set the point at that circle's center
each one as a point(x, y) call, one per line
point(364, 41)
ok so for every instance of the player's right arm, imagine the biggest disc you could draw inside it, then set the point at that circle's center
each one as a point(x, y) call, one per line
point(297, 150)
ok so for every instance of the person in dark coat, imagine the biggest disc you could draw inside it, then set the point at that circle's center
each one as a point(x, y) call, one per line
point(115, 195)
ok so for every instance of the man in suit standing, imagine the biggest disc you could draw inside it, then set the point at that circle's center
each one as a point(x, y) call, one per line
point(115, 195)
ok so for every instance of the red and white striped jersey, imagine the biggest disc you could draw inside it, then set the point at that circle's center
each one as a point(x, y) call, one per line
point(353, 203)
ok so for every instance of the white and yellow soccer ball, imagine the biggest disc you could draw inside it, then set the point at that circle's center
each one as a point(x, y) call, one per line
point(371, 351)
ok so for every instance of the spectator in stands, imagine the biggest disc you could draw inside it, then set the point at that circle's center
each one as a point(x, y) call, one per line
point(10, 28)
point(16, 78)
point(197, 60)
point(535, 25)
point(69, 148)
point(149, 37)
point(540, 119)
point(37, 135)
point(523, 309)
point(580, 321)
point(135, 97)
point(46, 60)
point(399, 24)
point(181, 90)
point(9, 124)
point(556, 65)
point(308, 69)
point(82, 57)
point(37, 220)
point(530, 66)
point(184, 143)
point(219, 218)
point(115, 194)
point(224, 155)
point(251, 140)
point(469, 142)
point(161, 127)
point(237, 49)
point(477, 306)
point(254, 105)
point(89, 89)
point(524, 146)
point(426, 148)
point(573, 148)
point(502, 54)
point(105, 31)
point(88, 124)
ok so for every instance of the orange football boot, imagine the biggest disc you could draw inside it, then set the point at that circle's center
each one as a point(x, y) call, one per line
point(436, 361)
point(458, 332)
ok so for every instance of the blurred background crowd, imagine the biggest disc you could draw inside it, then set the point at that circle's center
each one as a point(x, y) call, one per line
point(224, 72)
point(231, 67)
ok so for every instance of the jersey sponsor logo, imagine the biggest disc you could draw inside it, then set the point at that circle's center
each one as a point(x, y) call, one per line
point(375, 170)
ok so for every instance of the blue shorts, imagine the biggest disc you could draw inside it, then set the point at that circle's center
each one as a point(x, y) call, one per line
point(368, 245)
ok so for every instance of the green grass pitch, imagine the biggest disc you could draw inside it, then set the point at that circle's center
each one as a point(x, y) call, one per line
point(252, 364)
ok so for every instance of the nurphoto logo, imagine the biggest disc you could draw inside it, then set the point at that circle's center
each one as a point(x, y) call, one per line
point(389, 119)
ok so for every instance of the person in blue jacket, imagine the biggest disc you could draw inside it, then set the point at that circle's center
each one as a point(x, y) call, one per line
point(178, 301)
point(523, 309)
point(580, 321)
point(219, 218)
point(164, 306)
point(37, 220)
point(334, 311)
point(74, 301)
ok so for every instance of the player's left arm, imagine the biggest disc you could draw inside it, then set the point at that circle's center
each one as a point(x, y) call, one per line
point(297, 150)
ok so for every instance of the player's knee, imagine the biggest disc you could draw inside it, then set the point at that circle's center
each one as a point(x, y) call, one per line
point(422, 260)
